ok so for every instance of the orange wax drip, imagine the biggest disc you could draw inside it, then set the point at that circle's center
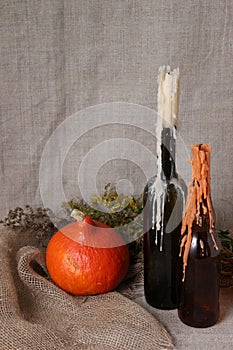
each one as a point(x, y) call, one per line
point(198, 200)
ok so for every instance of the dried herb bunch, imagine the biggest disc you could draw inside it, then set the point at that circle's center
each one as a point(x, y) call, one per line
point(28, 217)
point(116, 210)
point(226, 258)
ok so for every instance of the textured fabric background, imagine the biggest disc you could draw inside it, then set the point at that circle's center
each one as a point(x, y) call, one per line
point(60, 57)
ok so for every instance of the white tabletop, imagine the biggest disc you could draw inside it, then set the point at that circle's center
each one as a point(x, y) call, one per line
point(217, 337)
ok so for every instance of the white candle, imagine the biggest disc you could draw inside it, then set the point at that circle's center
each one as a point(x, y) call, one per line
point(168, 95)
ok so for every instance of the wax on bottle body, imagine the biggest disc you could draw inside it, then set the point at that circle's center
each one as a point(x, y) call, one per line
point(164, 198)
point(200, 247)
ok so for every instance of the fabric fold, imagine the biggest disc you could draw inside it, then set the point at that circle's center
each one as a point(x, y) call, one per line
point(37, 314)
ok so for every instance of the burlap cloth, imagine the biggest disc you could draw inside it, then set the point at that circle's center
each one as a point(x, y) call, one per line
point(36, 314)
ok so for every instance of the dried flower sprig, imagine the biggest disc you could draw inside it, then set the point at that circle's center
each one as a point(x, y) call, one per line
point(116, 210)
point(36, 219)
point(226, 258)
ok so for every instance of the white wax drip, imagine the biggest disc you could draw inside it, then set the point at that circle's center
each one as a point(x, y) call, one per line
point(162, 220)
point(168, 93)
point(158, 190)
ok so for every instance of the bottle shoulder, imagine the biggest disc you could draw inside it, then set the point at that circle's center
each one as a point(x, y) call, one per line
point(205, 243)
point(156, 185)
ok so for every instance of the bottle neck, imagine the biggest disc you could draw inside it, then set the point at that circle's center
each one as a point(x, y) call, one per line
point(168, 150)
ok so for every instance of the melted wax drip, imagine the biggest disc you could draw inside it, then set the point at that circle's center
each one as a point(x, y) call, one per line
point(158, 191)
point(158, 202)
point(199, 190)
point(167, 117)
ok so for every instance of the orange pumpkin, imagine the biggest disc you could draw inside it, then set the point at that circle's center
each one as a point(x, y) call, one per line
point(87, 257)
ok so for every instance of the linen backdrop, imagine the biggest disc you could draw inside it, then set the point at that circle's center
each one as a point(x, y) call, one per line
point(78, 95)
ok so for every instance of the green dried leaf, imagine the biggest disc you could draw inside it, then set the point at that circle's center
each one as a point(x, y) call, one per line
point(226, 256)
point(114, 209)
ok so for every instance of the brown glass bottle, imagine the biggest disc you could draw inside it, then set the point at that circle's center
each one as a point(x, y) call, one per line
point(199, 300)
point(199, 305)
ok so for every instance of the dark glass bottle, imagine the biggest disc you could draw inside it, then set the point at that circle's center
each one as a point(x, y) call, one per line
point(199, 304)
point(164, 198)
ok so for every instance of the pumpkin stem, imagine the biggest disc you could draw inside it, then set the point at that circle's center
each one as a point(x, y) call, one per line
point(81, 217)
point(78, 215)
